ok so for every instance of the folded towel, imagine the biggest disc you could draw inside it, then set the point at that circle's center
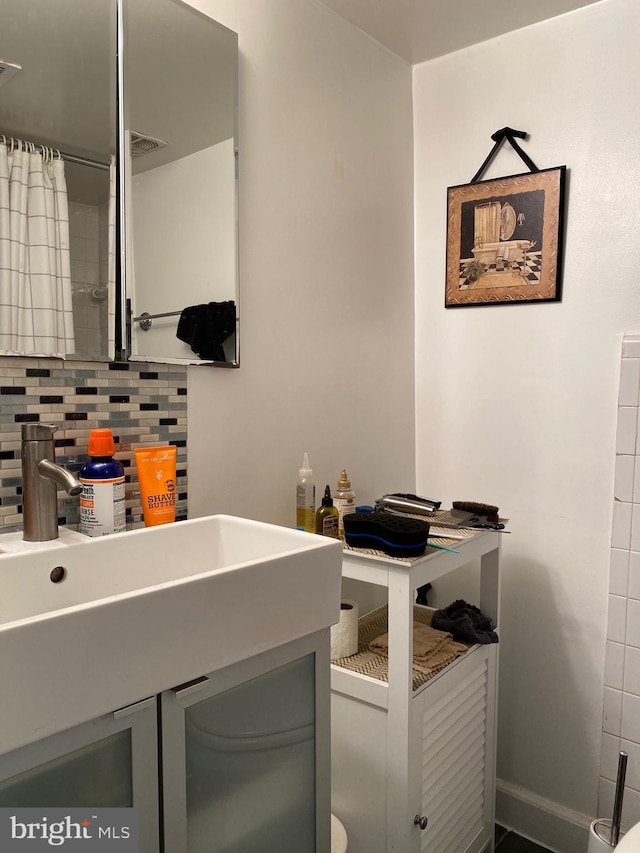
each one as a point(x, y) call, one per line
point(443, 657)
point(206, 327)
point(465, 622)
point(432, 649)
point(426, 641)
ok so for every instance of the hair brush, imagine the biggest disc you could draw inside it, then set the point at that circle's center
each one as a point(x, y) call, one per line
point(491, 512)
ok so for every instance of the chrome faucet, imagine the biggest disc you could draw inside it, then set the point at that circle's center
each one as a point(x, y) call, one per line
point(40, 473)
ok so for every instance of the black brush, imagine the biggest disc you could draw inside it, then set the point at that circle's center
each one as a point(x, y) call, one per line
point(382, 531)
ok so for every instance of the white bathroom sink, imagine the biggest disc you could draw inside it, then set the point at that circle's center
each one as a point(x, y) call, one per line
point(140, 612)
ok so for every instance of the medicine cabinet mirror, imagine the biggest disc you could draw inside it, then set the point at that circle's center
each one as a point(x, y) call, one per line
point(150, 171)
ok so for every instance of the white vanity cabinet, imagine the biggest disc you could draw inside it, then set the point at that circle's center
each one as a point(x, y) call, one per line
point(245, 755)
point(405, 758)
point(240, 607)
point(109, 762)
point(237, 761)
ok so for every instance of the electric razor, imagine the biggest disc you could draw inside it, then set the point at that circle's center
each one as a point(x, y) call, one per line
point(409, 504)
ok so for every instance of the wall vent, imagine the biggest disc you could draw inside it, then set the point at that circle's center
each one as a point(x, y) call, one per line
point(142, 144)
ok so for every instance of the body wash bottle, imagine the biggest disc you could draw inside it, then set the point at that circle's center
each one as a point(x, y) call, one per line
point(102, 507)
point(327, 516)
point(306, 498)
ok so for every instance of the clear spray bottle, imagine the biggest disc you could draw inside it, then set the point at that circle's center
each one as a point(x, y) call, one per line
point(306, 498)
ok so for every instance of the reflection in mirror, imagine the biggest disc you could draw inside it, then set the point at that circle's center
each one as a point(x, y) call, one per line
point(180, 147)
point(57, 91)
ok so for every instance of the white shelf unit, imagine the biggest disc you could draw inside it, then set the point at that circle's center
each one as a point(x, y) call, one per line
point(401, 755)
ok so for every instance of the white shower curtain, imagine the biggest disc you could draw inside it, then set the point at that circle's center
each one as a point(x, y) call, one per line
point(36, 314)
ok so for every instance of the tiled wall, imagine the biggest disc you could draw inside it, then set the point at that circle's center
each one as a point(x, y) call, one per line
point(143, 405)
point(88, 246)
point(621, 719)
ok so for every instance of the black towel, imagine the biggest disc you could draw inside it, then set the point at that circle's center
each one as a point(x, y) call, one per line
point(206, 327)
point(465, 622)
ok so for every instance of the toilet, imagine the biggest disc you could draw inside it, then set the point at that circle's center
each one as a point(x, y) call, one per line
point(338, 836)
point(630, 842)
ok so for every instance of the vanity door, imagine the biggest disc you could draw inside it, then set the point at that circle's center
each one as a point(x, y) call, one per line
point(244, 769)
point(110, 762)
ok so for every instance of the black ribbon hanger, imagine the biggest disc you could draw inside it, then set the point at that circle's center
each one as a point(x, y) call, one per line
point(499, 137)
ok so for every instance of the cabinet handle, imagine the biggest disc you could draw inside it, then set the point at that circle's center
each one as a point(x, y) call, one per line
point(421, 821)
point(191, 686)
point(133, 709)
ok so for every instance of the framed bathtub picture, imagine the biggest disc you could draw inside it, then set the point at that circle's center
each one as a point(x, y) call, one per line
point(504, 240)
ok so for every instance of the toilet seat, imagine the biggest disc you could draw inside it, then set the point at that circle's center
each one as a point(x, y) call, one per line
point(630, 842)
point(338, 836)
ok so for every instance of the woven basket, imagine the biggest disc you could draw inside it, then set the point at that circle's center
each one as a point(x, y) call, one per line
point(373, 664)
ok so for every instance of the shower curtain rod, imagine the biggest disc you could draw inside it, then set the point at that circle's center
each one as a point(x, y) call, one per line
point(83, 161)
point(69, 158)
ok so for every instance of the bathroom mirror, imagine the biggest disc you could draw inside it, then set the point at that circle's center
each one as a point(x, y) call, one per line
point(178, 231)
point(58, 89)
point(179, 139)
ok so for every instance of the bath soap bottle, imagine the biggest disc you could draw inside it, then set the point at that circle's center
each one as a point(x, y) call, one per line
point(102, 509)
point(306, 498)
point(327, 516)
point(344, 500)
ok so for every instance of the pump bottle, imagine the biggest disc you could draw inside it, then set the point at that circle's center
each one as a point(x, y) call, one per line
point(306, 498)
point(102, 502)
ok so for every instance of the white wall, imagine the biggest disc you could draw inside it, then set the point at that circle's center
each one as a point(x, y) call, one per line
point(326, 267)
point(516, 405)
point(188, 203)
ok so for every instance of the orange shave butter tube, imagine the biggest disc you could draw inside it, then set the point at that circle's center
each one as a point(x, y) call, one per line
point(157, 478)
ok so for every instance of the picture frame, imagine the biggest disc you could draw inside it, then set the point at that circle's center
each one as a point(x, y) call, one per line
point(505, 240)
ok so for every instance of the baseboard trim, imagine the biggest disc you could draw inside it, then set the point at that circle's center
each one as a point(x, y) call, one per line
point(553, 826)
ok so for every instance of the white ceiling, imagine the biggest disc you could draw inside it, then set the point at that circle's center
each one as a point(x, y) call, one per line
point(418, 30)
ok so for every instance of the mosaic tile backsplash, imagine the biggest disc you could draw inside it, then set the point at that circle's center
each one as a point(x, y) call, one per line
point(144, 405)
